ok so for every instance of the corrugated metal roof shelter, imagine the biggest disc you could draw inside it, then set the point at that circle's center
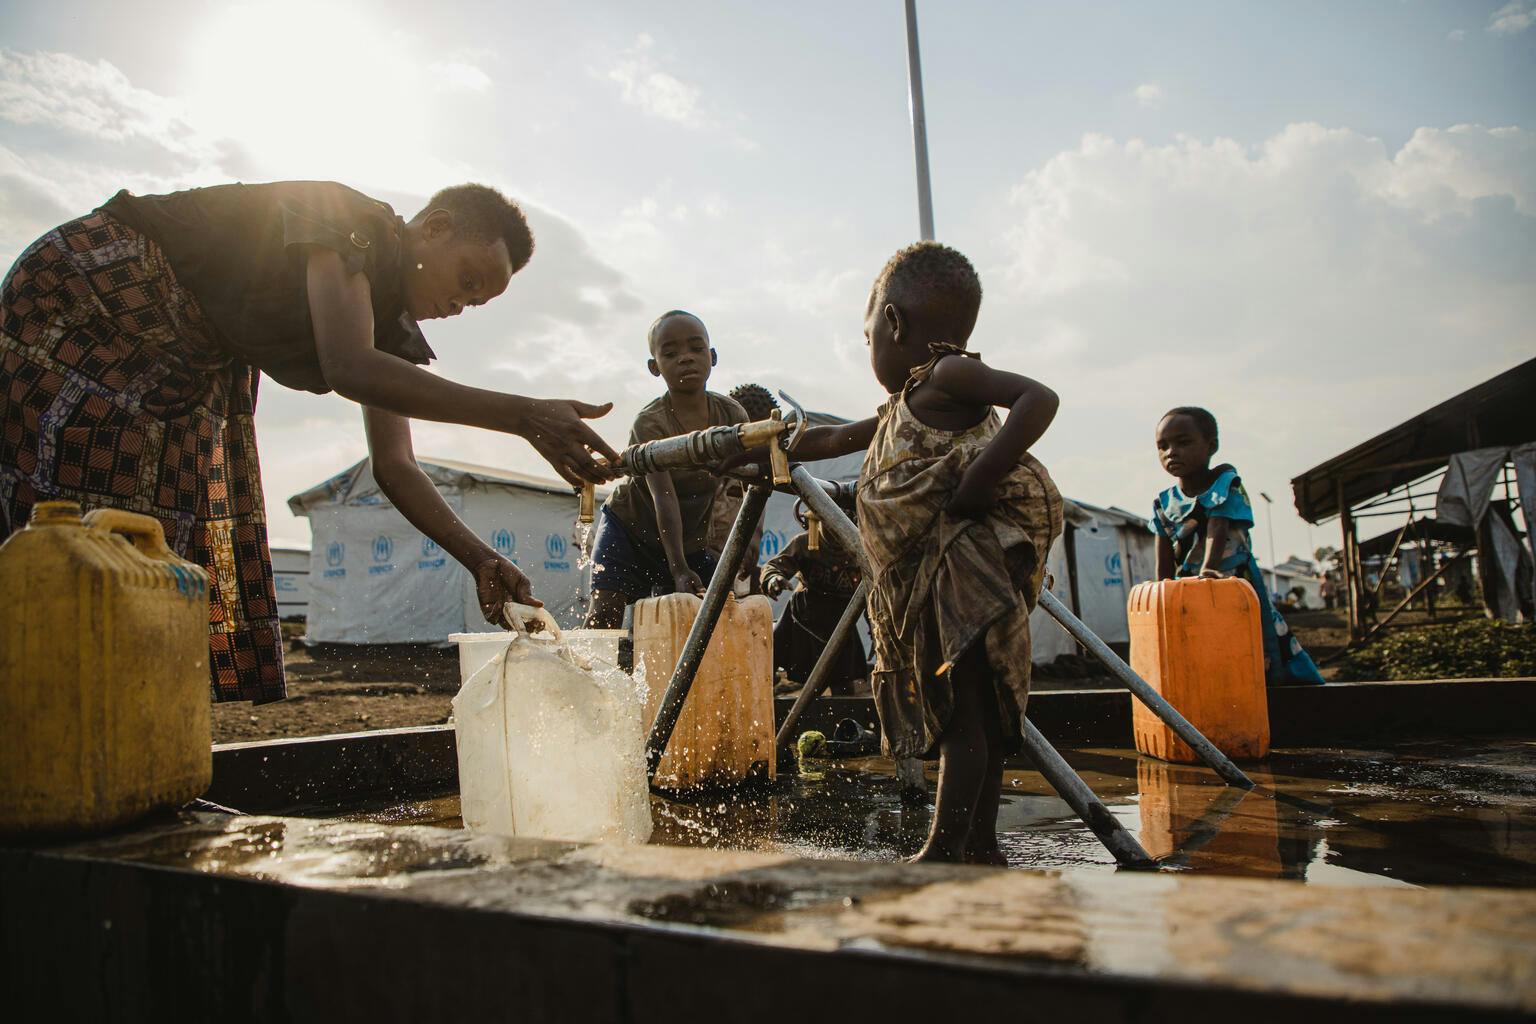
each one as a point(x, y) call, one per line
point(1399, 474)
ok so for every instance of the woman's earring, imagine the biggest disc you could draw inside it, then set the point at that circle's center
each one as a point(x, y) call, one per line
point(419, 266)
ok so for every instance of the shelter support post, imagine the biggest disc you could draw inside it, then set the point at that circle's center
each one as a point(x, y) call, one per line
point(1347, 560)
point(1415, 592)
point(1156, 702)
point(821, 675)
point(704, 625)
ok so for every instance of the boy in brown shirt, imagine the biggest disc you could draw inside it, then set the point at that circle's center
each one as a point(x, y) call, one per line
point(654, 533)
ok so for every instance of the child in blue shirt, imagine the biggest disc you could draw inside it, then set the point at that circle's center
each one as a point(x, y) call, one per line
point(1202, 526)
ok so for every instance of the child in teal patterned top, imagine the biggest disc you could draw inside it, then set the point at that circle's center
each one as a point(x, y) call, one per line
point(1202, 526)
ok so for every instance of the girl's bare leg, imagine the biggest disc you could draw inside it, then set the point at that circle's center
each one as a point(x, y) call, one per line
point(963, 764)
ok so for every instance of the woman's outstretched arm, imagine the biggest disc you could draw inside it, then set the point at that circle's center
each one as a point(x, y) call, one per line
point(342, 313)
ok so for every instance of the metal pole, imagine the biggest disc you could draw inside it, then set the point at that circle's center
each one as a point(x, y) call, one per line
point(704, 625)
point(1126, 850)
point(1207, 751)
point(833, 519)
point(1269, 521)
point(821, 675)
point(919, 125)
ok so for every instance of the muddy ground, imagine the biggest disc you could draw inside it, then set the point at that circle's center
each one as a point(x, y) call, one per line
point(349, 689)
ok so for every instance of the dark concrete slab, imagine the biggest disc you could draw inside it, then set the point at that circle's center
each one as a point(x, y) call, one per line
point(335, 772)
point(277, 919)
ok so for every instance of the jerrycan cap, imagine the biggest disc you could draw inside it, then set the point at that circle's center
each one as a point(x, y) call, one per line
point(56, 513)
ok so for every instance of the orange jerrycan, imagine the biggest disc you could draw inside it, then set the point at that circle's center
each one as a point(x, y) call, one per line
point(1197, 643)
point(724, 734)
point(103, 672)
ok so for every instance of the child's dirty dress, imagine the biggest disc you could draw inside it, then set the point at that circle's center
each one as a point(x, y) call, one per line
point(940, 582)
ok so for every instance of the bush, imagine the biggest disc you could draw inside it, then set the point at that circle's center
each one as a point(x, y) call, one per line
point(1459, 650)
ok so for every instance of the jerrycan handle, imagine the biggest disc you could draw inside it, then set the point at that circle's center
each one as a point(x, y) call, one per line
point(143, 532)
point(517, 616)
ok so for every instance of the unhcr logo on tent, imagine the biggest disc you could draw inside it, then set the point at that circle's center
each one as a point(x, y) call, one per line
point(335, 555)
point(1112, 567)
point(383, 551)
point(773, 543)
point(554, 547)
point(431, 555)
point(505, 542)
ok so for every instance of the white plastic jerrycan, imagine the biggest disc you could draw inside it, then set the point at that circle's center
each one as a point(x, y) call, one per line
point(551, 745)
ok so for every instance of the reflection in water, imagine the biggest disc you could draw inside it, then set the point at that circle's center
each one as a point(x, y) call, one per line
point(1425, 813)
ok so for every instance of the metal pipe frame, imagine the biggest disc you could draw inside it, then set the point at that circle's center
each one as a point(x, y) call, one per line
point(1120, 843)
point(1204, 748)
point(688, 662)
point(821, 674)
point(1070, 785)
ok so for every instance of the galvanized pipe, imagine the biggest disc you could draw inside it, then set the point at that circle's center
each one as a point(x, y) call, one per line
point(1126, 850)
point(704, 625)
point(833, 519)
point(1159, 706)
point(821, 675)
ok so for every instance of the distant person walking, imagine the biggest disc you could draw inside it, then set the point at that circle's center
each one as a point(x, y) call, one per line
point(132, 340)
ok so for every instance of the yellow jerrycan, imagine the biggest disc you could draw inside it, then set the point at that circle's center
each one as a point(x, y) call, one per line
point(103, 672)
point(1197, 643)
point(724, 734)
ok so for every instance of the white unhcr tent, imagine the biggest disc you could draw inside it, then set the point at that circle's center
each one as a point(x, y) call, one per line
point(374, 578)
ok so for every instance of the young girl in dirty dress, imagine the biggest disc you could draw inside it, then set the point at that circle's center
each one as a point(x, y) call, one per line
point(956, 520)
point(1202, 525)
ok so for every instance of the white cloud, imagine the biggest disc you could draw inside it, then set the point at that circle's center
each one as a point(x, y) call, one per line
point(1457, 35)
point(459, 76)
point(642, 83)
point(1312, 291)
point(1148, 94)
point(1512, 19)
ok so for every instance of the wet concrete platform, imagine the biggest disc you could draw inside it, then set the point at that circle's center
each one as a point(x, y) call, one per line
point(266, 918)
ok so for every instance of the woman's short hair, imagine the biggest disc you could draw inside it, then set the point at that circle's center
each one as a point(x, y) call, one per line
point(482, 214)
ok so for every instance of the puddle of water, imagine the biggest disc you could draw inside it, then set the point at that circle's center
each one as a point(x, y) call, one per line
point(1421, 814)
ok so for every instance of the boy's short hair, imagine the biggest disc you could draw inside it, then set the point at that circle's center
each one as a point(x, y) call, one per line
point(1204, 421)
point(482, 214)
point(756, 399)
point(650, 335)
point(934, 281)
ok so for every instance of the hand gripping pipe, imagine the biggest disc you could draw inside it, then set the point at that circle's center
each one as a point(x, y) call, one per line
point(704, 625)
point(1159, 706)
point(1120, 843)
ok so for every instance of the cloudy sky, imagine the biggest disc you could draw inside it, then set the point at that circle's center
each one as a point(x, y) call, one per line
point(1314, 218)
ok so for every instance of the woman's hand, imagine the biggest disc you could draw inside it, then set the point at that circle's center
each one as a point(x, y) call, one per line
point(1208, 573)
point(498, 581)
point(773, 586)
point(686, 581)
point(975, 494)
point(556, 430)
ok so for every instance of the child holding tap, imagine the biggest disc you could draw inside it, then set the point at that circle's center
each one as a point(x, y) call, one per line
point(956, 519)
point(654, 532)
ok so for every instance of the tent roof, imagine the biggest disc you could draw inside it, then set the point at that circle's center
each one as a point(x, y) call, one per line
point(444, 472)
point(1496, 412)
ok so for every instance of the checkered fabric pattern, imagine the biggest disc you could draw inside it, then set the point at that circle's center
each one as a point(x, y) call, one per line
point(115, 392)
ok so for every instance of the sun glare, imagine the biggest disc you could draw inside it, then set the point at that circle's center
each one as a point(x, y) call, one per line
point(311, 90)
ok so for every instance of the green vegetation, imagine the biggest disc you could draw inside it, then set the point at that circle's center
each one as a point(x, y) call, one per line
point(1459, 650)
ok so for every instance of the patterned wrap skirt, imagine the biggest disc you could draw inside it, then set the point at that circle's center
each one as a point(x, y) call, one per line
point(116, 392)
point(945, 584)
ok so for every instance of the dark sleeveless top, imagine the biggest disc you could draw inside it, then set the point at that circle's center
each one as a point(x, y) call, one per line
point(242, 250)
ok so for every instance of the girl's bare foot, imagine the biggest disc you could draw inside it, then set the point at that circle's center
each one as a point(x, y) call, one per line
point(993, 857)
point(933, 853)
